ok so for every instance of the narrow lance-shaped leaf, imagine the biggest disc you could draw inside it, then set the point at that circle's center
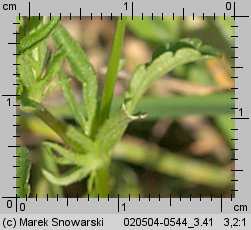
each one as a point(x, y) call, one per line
point(72, 176)
point(23, 172)
point(74, 158)
point(29, 41)
point(83, 164)
point(46, 159)
point(211, 104)
point(180, 105)
point(71, 101)
point(27, 78)
point(82, 69)
point(185, 51)
point(54, 67)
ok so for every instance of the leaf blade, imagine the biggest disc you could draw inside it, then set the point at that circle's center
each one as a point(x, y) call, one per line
point(72, 176)
point(186, 51)
point(28, 42)
point(82, 69)
point(71, 101)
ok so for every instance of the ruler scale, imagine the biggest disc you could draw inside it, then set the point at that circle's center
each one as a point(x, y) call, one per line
point(194, 212)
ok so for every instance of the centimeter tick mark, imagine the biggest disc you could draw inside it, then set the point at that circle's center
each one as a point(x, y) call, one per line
point(132, 14)
point(132, 10)
point(221, 209)
point(118, 203)
point(29, 10)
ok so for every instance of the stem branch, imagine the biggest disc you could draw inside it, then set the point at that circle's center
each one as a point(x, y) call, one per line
point(112, 71)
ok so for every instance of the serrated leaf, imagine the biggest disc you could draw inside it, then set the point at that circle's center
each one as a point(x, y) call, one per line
point(29, 41)
point(185, 51)
point(82, 69)
point(23, 172)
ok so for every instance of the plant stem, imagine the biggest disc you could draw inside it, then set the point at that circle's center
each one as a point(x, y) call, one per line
point(191, 170)
point(102, 175)
point(102, 181)
point(112, 71)
point(70, 135)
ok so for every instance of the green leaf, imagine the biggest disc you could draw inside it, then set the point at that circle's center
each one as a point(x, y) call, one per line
point(82, 69)
point(31, 40)
point(48, 162)
point(185, 51)
point(71, 101)
point(72, 176)
point(27, 78)
point(23, 172)
point(30, 70)
point(113, 128)
point(172, 106)
point(54, 67)
point(73, 158)
point(179, 105)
